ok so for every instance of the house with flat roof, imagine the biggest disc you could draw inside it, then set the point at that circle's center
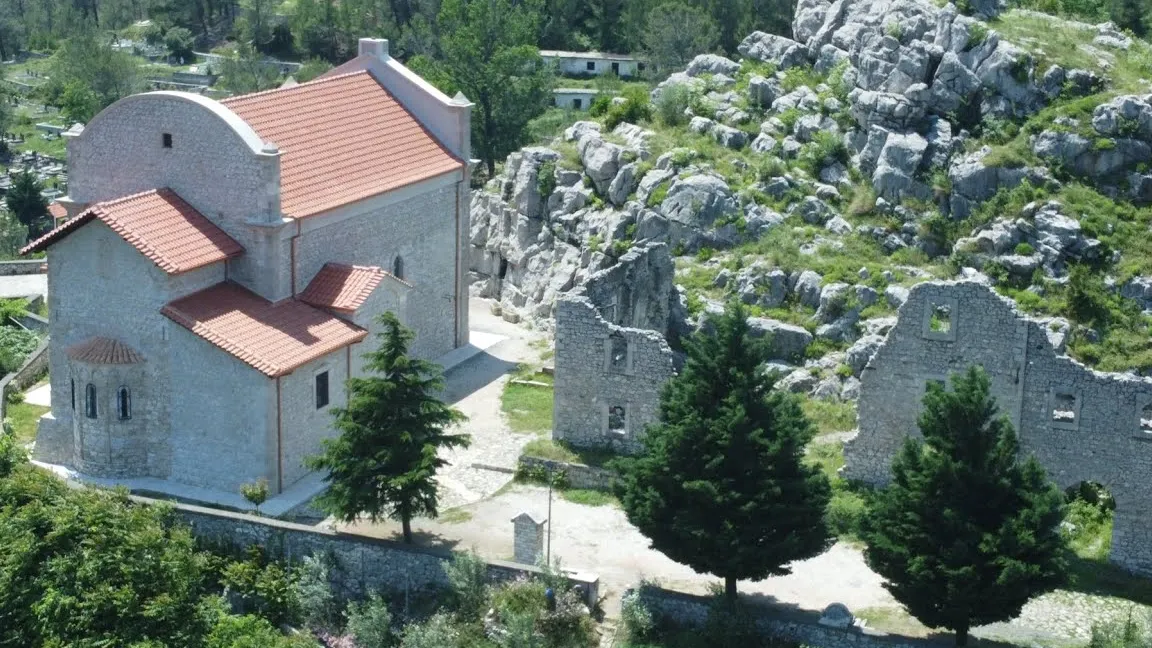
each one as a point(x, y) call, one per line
point(593, 63)
point(219, 267)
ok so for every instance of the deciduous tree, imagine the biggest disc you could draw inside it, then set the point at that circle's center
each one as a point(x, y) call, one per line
point(675, 34)
point(968, 531)
point(384, 462)
point(721, 485)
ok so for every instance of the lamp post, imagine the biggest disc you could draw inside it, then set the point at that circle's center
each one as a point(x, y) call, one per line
point(548, 552)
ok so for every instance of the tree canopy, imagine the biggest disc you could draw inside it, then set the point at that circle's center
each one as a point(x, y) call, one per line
point(26, 202)
point(967, 532)
point(721, 485)
point(384, 462)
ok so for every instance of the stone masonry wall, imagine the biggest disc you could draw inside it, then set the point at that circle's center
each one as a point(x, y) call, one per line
point(1082, 425)
point(638, 291)
point(421, 230)
point(600, 367)
point(686, 610)
point(363, 564)
point(578, 475)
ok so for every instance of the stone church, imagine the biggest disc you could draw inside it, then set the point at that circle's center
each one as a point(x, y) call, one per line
point(218, 276)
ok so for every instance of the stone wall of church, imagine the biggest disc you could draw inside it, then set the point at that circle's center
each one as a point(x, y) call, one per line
point(1081, 425)
point(416, 224)
point(303, 424)
point(112, 291)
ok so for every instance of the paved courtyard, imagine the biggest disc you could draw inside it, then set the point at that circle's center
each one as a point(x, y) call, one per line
point(23, 286)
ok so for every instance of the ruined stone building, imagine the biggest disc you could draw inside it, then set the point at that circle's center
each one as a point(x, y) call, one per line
point(218, 276)
point(612, 354)
point(1081, 425)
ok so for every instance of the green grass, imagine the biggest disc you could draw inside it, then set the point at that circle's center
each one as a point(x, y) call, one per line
point(528, 407)
point(560, 451)
point(24, 417)
point(455, 516)
point(589, 497)
point(828, 456)
point(830, 416)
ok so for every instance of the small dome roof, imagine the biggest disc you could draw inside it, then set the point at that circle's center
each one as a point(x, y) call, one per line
point(102, 350)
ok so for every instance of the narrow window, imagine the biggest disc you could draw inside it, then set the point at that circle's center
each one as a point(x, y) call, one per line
point(1146, 420)
point(591, 66)
point(616, 69)
point(577, 104)
point(73, 381)
point(941, 321)
point(123, 404)
point(618, 358)
point(321, 389)
point(398, 267)
point(90, 401)
point(167, 139)
point(1064, 408)
point(617, 419)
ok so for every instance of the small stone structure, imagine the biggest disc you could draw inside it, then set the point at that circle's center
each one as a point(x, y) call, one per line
point(612, 357)
point(1082, 425)
point(527, 539)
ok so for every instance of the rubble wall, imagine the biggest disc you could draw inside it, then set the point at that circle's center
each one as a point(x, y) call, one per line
point(599, 367)
point(1082, 425)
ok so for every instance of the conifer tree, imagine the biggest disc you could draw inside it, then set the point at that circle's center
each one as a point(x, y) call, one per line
point(384, 463)
point(721, 485)
point(967, 532)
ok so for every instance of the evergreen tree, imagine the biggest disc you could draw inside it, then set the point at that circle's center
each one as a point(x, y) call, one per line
point(384, 462)
point(28, 204)
point(1133, 15)
point(721, 485)
point(967, 532)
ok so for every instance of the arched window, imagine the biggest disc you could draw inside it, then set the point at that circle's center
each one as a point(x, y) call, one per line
point(398, 267)
point(90, 401)
point(123, 404)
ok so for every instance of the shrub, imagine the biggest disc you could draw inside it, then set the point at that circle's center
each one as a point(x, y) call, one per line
point(634, 109)
point(844, 371)
point(546, 179)
point(635, 618)
point(437, 632)
point(825, 149)
point(567, 626)
point(255, 492)
point(1129, 633)
point(11, 453)
point(1088, 301)
point(317, 604)
point(370, 623)
point(600, 105)
point(977, 34)
point(468, 581)
point(845, 512)
point(264, 588)
point(672, 103)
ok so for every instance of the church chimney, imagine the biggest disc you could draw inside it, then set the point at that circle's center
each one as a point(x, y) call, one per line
point(377, 47)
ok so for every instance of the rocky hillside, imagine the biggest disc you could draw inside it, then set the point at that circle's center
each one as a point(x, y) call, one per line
point(888, 142)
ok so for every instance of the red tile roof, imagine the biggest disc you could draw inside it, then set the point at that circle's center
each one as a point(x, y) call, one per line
point(342, 138)
point(57, 211)
point(102, 350)
point(342, 287)
point(274, 338)
point(160, 225)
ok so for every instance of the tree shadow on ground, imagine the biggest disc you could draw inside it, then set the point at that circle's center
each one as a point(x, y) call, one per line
point(1101, 578)
point(474, 374)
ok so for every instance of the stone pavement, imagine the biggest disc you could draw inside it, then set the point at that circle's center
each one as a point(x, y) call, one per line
point(23, 286)
point(39, 395)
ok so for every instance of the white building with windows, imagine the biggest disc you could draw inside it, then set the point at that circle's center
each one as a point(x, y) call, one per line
point(574, 98)
point(593, 63)
point(220, 267)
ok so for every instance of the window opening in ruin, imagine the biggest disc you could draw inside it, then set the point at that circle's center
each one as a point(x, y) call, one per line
point(167, 140)
point(1146, 419)
point(398, 267)
point(503, 268)
point(73, 381)
point(1064, 408)
point(123, 404)
point(577, 104)
point(321, 389)
point(90, 401)
point(618, 361)
point(617, 417)
point(591, 66)
point(941, 320)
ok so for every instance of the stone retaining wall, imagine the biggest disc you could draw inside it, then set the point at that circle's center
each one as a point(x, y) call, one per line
point(782, 623)
point(23, 267)
point(579, 475)
point(34, 366)
point(363, 564)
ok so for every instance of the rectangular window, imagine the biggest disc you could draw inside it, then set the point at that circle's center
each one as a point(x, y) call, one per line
point(616, 69)
point(617, 419)
point(1064, 408)
point(941, 320)
point(617, 353)
point(167, 139)
point(321, 389)
point(591, 66)
point(577, 104)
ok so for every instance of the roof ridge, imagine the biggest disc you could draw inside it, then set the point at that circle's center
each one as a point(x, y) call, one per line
point(317, 81)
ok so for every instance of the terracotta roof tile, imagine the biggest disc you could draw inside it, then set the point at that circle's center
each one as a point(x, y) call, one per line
point(274, 338)
point(342, 287)
point(342, 138)
point(57, 211)
point(102, 350)
point(160, 225)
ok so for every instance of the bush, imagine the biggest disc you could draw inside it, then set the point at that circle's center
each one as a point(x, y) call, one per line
point(977, 34)
point(468, 581)
point(634, 109)
point(845, 512)
point(673, 101)
point(600, 105)
point(1023, 249)
point(264, 588)
point(1129, 633)
point(825, 149)
point(11, 453)
point(635, 618)
point(370, 623)
point(437, 632)
point(317, 603)
point(1088, 301)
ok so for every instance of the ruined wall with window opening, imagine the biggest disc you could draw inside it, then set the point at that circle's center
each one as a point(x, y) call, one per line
point(1082, 425)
